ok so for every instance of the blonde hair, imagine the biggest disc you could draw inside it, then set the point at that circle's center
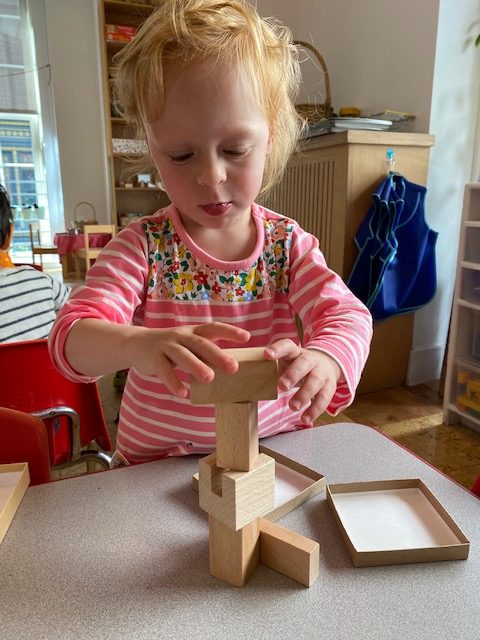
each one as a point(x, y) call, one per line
point(183, 32)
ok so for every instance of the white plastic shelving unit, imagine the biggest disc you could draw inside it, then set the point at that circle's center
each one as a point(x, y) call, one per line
point(462, 382)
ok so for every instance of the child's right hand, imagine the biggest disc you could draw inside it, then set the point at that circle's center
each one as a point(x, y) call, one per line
point(157, 352)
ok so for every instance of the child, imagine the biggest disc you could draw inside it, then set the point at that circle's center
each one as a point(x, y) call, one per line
point(211, 86)
point(29, 299)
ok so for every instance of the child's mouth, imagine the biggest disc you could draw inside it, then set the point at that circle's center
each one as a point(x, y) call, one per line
point(216, 208)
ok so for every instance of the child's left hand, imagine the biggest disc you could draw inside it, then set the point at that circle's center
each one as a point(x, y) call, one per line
point(313, 371)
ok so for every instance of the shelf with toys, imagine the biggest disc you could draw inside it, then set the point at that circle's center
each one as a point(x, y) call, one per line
point(132, 194)
point(462, 381)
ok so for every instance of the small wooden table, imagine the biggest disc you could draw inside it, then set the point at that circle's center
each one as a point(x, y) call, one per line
point(66, 244)
point(124, 554)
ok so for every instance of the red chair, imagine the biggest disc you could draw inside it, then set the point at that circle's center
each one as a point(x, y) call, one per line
point(72, 412)
point(476, 487)
point(24, 438)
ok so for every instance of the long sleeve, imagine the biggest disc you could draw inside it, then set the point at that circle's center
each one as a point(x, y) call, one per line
point(334, 320)
point(114, 290)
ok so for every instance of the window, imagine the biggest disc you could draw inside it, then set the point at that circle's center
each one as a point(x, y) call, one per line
point(21, 154)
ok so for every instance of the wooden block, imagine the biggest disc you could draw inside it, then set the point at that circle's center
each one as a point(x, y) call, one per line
point(256, 379)
point(289, 553)
point(234, 555)
point(236, 425)
point(286, 470)
point(237, 497)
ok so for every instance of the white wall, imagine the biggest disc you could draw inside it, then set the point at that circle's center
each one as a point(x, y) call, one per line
point(416, 56)
point(73, 47)
point(454, 121)
point(379, 53)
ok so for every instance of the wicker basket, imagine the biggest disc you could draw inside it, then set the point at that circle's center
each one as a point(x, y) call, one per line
point(79, 223)
point(314, 113)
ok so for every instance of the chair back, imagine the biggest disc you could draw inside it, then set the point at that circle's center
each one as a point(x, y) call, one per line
point(71, 411)
point(89, 253)
point(24, 438)
point(36, 246)
point(96, 228)
point(34, 231)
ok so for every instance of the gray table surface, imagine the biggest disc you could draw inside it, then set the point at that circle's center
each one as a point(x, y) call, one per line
point(124, 554)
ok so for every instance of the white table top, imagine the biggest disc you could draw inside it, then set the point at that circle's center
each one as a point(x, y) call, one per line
point(124, 554)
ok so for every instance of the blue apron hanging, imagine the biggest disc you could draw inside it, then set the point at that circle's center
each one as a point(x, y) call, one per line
point(395, 269)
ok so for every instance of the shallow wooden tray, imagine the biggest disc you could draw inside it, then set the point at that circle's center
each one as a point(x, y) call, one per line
point(294, 484)
point(395, 522)
point(14, 481)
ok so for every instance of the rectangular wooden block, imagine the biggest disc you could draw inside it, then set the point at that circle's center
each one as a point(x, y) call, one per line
point(289, 553)
point(234, 555)
point(256, 379)
point(237, 497)
point(236, 425)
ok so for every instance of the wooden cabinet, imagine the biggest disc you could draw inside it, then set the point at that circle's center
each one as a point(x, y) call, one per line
point(126, 201)
point(462, 382)
point(328, 188)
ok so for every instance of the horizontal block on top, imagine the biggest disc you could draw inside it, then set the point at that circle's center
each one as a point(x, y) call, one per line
point(256, 379)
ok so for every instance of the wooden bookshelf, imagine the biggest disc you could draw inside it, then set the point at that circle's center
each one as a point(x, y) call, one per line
point(137, 199)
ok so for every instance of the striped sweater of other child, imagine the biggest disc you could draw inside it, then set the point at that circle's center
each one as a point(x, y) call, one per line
point(29, 300)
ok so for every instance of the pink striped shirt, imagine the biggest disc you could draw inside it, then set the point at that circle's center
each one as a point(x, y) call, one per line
point(153, 274)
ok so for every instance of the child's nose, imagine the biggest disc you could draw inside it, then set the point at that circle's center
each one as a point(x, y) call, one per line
point(211, 173)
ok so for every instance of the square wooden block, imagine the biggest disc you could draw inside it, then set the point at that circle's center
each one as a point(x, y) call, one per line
point(237, 497)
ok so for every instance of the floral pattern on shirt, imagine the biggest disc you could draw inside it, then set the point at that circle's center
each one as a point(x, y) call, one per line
point(177, 274)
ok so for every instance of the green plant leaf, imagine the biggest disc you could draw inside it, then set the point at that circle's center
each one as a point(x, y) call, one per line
point(477, 41)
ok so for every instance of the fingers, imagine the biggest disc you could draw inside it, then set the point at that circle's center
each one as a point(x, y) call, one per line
point(167, 375)
point(295, 372)
point(316, 375)
point(202, 346)
point(313, 406)
point(284, 348)
point(192, 349)
point(222, 331)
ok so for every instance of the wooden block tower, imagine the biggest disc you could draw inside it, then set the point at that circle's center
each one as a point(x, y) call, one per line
point(237, 483)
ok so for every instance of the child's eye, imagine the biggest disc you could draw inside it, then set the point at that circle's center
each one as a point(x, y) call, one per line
point(181, 159)
point(235, 153)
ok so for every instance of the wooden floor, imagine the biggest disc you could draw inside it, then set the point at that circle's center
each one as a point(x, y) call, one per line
point(413, 417)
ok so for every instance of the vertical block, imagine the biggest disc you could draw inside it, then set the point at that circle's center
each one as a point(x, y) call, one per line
point(236, 425)
point(234, 555)
point(237, 497)
point(289, 553)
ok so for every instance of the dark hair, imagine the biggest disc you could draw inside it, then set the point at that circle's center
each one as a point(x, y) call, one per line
point(6, 216)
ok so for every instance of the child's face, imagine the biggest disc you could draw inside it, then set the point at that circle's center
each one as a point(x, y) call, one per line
point(209, 146)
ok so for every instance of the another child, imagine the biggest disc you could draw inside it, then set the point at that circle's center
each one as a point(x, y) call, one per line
point(29, 299)
point(211, 86)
